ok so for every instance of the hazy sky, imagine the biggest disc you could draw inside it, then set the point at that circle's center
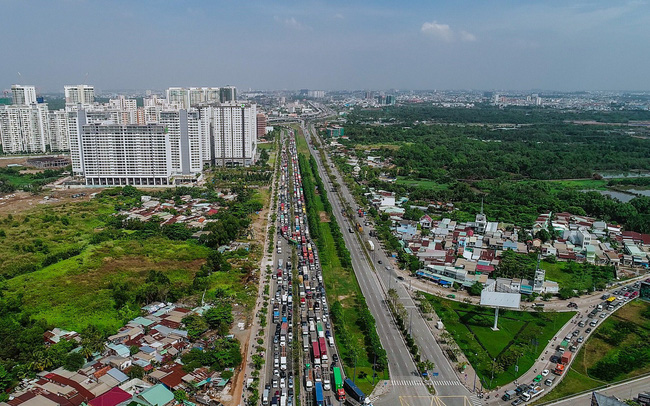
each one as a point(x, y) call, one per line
point(352, 44)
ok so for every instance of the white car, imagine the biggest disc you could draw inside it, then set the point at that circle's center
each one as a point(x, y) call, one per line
point(283, 383)
point(545, 372)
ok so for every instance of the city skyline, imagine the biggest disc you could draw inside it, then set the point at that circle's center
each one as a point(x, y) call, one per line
point(555, 45)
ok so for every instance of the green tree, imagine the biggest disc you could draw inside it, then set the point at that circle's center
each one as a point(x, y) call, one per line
point(180, 395)
point(475, 289)
point(136, 371)
point(219, 317)
point(74, 361)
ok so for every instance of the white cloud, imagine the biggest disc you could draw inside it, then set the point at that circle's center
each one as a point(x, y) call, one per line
point(445, 33)
point(442, 31)
point(292, 23)
point(467, 36)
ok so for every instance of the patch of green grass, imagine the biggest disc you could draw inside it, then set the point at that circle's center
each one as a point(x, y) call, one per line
point(559, 185)
point(75, 292)
point(470, 326)
point(422, 183)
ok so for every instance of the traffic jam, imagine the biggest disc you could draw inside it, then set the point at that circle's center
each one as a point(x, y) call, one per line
point(322, 377)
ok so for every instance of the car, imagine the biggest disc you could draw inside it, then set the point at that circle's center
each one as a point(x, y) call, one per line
point(588, 330)
point(603, 315)
point(576, 332)
point(388, 268)
point(290, 383)
point(451, 296)
point(581, 324)
point(537, 378)
point(545, 372)
point(581, 339)
point(379, 262)
point(335, 357)
point(283, 383)
point(400, 278)
point(517, 402)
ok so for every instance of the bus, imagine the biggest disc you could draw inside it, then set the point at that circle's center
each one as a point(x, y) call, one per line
point(338, 384)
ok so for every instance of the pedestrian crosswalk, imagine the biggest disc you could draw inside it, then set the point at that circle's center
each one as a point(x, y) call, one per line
point(408, 382)
point(447, 383)
point(475, 400)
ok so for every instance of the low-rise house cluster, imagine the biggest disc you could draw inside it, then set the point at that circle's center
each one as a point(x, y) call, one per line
point(192, 211)
point(154, 341)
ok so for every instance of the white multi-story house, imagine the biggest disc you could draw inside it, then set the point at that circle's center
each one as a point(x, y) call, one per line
point(234, 134)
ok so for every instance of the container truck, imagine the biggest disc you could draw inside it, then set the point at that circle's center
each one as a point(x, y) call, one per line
point(315, 352)
point(320, 401)
point(338, 384)
point(309, 383)
point(323, 350)
point(354, 392)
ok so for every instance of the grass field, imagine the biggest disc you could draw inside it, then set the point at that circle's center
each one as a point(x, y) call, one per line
point(559, 185)
point(74, 293)
point(46, 230)
point(596, 348)
point(471, 329)
point(421, 183)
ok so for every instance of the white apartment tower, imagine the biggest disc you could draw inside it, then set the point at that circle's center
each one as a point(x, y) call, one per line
point(186, 141)
point(59, 131)
point(23, 95)
point(234, 134)
point(79, 94)
point(24, 127)
point(114, 154)
point(186, 97)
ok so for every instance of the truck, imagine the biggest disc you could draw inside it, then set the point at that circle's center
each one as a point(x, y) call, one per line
point(338, 384)
point(354, 392)
point(283, 359)
point(327, 384)
point(371, 245)
point(559, 369)
point(284, 328)
point(319, 328)
point(320, 401)
point(315, 352)
point(323, 350)
point(509, 395)
point(309, 382)
point(566, 357)
point(536, 391)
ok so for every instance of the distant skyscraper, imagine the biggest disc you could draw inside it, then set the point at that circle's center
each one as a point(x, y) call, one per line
point(261, 124)
point(228, 94)
point(24, 127)
point(186, 97)
point(23, 95)
point(79, 94)
point(234, 131)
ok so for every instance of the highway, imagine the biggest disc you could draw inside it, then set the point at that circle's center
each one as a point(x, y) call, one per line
point(408, 387)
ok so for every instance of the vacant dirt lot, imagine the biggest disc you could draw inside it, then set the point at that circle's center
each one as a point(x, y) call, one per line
point(18, 202)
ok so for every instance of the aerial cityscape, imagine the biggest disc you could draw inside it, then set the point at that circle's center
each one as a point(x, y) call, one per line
point(319, 204)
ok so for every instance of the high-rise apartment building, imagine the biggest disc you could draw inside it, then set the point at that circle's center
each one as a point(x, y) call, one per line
point(79, 94)
point(23, 95)
point(115, 154)
point(58, 128)
point(234, 134)
point(186, 97)
point(228, 94)
point(186, 138)
point(24, 127)
point(261, 124)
